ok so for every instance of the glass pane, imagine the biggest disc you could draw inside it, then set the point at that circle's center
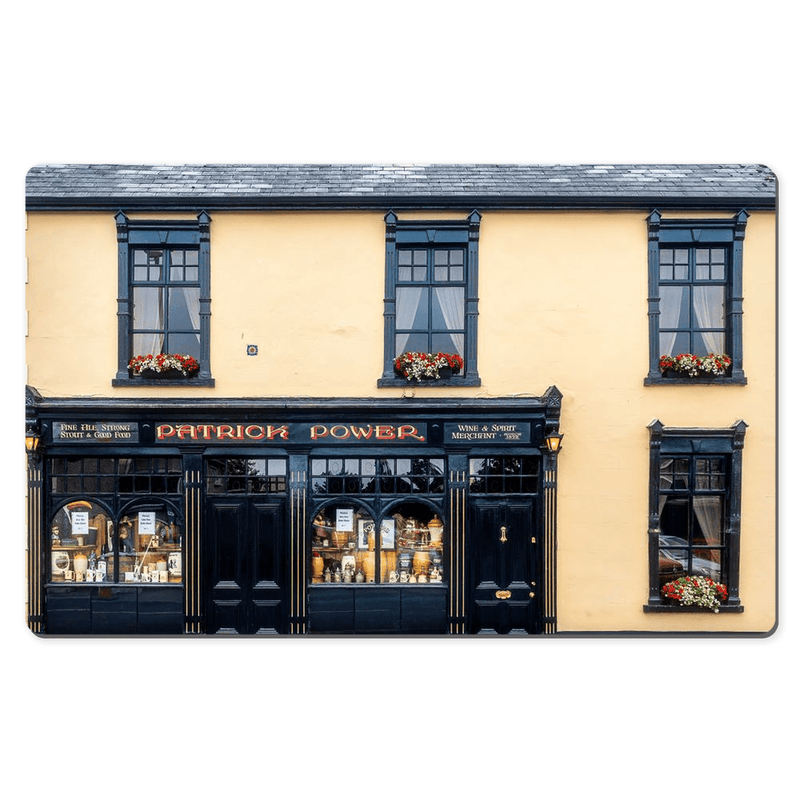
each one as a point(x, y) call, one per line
point(671, 344)
point(404, 257)
point(257, 466)
point(150, 547)
point(148, 343)
point(185, 344)
point(709, 306)
point(440, 257)
point(441, 274)
point(448, 343)
point(184, 308)
point(412, 308)
point(448, 308)
point(192, 274)
point(674, 518)
point(456, 273)
point(708, 520)
point(176, 257)
point(411, 342)
point(82, 544)
point(148, 308)
point(456, 256)
point(343, 546)
point(706, 562)
point(674, 307)
point(420, 274)
point(412, 546)
point(276, 466)
point(673, 561)
point(404, 274)
point(420, 257)
point(176, 274)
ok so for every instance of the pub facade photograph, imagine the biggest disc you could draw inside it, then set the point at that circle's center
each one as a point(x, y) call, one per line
point(414, 400)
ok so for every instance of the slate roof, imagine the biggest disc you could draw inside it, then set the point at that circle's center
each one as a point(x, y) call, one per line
point(398, 185)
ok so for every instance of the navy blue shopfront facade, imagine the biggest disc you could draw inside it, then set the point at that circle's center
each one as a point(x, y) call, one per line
point(318, 516)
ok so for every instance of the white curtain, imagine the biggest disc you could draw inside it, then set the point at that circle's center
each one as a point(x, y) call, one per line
point(409, 299)
point(709, 310)
point(670, 307)
point(148, 314)
point(665, 482)
point(451, 302)
point(708, 511)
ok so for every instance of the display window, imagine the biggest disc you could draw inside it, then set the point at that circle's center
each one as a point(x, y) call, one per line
point(377, 538)
point(348, 546)
point(115, 520)
point(86, 545)
point(80, 535)
point(412, 545)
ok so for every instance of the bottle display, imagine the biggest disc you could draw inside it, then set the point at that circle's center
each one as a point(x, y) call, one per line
point(348, 547)
point(85, 546)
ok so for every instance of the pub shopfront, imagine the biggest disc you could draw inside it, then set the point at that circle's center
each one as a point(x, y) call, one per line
point(344, 516)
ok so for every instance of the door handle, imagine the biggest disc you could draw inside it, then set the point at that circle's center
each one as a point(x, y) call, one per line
point(502, 594)
point(503, 531)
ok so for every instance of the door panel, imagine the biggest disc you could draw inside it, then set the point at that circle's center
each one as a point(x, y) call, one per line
point(244, 568)
point(503, 567)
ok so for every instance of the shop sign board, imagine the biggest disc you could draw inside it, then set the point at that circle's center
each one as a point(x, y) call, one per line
point(292, 433)
point(488, 433)
point(94, 432)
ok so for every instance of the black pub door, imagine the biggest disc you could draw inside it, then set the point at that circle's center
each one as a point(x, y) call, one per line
point(503, 567)
point(245, 582)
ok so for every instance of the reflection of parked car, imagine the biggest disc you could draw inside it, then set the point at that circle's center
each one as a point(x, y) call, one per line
point(667, 554)
point(669, 568)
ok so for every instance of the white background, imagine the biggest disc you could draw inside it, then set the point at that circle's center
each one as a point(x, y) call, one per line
point(580, 82)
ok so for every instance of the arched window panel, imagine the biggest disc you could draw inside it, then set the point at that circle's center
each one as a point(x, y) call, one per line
point(81, 543)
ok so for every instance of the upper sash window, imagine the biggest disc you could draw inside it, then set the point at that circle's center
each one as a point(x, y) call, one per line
point(695, 293)
point(431, 299)
point(164, 297)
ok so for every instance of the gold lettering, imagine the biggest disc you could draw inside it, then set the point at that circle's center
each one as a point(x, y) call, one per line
point(318, 431)
point(384, 431)
point(185, 431)
point(405, 431)
point(165, 431)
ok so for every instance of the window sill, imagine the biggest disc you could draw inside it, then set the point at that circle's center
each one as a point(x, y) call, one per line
point(141, 382)
point(403, 383)
point(661, 381)
point(669, 609)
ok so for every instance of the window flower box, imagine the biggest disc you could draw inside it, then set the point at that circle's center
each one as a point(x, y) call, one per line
point(696, 590)
point(686, 365)
point(164, 366)
point(427, 366)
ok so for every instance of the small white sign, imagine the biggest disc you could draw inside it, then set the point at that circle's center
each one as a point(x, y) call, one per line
point(344, 520)
point(80, 523)
point(147, 523)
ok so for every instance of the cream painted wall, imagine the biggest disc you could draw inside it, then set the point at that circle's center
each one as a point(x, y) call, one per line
point(563, 301)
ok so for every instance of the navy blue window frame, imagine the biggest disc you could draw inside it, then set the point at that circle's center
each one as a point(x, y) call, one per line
point(693, 234)
point(433, 234)
point(132, 234)
point(693, 444)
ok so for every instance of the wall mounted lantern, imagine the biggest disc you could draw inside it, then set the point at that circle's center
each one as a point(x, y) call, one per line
point(553, 441)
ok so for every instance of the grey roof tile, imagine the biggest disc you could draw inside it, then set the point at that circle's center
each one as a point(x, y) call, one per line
point(256, 183)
